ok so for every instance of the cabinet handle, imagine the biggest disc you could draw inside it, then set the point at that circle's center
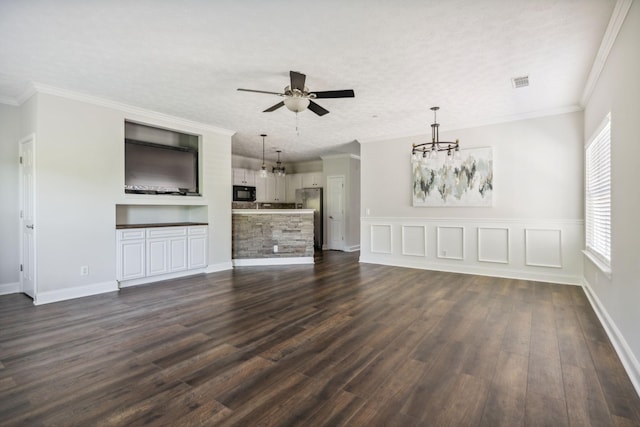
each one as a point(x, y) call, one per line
point(29, 226)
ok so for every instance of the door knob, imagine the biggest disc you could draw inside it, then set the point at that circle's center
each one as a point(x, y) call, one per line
point(330, 217)
point(30, 226)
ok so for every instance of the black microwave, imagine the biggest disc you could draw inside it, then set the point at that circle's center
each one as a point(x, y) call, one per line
point(242, 193)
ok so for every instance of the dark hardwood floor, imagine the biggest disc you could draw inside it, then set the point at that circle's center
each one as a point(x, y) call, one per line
point(337, 343)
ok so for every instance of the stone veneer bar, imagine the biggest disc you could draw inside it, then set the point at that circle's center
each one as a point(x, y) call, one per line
point(256, 231)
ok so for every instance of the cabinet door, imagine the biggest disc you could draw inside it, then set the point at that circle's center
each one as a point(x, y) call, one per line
point(198, 243)
point(294, 182)
point(131, 260)
point(261, 189)
point(177, 254)
point(238, 176)
point(157, 256)
point(312, 180)
point(280, 193)
point(250, 177)
point(271, 188)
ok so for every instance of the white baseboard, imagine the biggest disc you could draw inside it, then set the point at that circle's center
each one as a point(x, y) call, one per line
point(480, 271)
point(246, 262)
point(221, 266)
point(160, 277)
point(76, 292)
point(9, 288)
point(353, 248)
point(628, 359)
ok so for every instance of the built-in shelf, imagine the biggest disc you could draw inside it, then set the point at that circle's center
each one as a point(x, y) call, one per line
point(136, 214)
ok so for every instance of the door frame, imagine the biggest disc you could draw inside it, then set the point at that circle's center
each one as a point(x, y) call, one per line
point(342, 214)
point(29, 138)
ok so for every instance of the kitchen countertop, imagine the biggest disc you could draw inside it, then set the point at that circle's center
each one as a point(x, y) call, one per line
point(271, 211)
point(159, 224)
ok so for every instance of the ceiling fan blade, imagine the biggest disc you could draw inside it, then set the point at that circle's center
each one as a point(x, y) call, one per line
point(275, 107)
point(317, 109)
point(261, 91)
point(297, 80)
point(348, 93)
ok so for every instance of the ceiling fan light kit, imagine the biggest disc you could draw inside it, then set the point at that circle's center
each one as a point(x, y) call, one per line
point(427, 151)
point(297, 96)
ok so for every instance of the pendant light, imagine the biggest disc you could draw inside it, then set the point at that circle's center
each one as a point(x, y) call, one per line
point(263, 170)
point(278, 170)
point(429, 150)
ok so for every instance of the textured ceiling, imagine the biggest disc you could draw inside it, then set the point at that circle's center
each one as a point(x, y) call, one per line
point(401, 57)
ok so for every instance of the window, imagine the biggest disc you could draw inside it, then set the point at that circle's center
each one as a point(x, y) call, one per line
point(598, 195)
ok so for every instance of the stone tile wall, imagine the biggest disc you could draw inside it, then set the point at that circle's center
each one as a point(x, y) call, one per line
point(255, 234)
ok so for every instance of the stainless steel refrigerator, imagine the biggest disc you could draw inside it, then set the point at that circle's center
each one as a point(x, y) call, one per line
point(311, 198)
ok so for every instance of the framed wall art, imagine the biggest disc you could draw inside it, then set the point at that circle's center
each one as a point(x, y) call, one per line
point(464, 182)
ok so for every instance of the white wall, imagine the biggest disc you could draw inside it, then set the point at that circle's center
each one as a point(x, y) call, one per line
point(9, 221)
point(536, 217)
point(618, 91)
point(80, 180)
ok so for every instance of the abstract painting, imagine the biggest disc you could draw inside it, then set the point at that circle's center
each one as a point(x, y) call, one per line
point(465, 182)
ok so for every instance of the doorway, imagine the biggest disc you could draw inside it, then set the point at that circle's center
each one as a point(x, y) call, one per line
point(335, 212)
point(27, 216)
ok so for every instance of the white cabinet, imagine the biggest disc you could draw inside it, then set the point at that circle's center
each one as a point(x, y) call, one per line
point(130, 262)
point(294, 182)
point(312, 180)
point(271, 189)
point(154, 251)
point(166, 250)
point(198, 243)
point(261, 190)
point(244, 177)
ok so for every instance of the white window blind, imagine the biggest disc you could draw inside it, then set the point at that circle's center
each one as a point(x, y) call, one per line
point(598, 193)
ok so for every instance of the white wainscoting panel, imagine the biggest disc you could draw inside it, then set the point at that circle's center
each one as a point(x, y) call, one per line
point(546, 250)
point(493, 244)
point(450, 242)
point(543, 247)
point(414, 240)
point(381, 239)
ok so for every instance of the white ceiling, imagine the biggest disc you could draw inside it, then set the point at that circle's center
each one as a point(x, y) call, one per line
point(187, 58)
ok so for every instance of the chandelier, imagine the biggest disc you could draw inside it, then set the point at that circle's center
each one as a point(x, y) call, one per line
point(263, 170)
point(278, 170)
point(429, 150)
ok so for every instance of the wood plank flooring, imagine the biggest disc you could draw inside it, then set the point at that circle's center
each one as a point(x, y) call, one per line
point(336, 343)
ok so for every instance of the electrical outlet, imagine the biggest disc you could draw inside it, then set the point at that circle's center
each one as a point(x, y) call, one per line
point(84, 270)
point(275, 249)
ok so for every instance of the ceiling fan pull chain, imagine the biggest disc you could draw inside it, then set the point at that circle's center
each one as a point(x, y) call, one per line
point(297, 130)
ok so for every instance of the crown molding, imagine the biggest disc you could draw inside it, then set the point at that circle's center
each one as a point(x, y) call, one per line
point(341, 156)
point(9, 101)
point(129, 109)
point(620, 11)
point(479, 123)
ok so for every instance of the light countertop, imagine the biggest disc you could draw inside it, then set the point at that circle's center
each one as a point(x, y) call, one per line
point(271, 211)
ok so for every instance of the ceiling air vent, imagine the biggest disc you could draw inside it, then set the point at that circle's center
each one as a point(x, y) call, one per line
point(519, 82)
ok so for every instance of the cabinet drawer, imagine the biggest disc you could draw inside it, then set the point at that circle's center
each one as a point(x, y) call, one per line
point(166, 232)
point(131, 234)
point(197, 231)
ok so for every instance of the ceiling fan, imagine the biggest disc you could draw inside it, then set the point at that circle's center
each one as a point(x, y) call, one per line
point(298, 98)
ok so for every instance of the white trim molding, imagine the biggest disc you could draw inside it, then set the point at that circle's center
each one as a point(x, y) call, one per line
point(531, 251)
point(48, 297)
point(442, 251)
point(553, 257)
point(422, 236)
point(628, 359)
point(248, 262)
point(9, 288)
point(620, 11)
point(505, 249)
point(161, 277)
point(221, 266)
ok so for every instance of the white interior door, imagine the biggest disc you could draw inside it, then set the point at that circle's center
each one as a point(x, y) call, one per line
point(27, 217)
point(335, 212)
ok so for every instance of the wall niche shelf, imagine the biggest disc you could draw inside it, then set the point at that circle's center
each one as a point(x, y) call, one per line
point(130, 214)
